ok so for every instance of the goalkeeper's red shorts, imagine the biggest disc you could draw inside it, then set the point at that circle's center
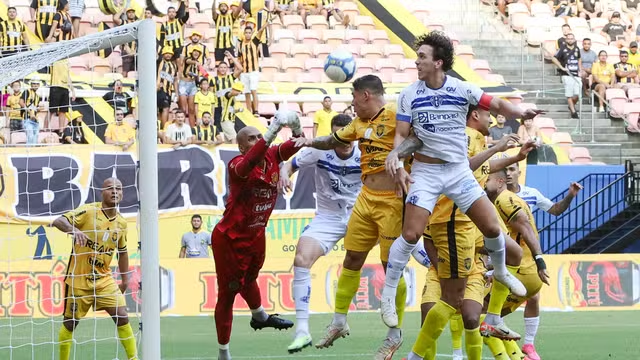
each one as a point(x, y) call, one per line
point(238, 261)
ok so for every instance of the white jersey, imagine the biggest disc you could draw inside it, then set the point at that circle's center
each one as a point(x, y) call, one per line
point(439, 116)
point(337, 181)
point(178, 133)
point(534, 198)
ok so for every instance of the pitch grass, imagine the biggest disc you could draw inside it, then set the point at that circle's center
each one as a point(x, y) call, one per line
point(562, 336)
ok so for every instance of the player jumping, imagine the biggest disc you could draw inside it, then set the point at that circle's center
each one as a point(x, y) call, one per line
point(98, 230)
point(238, 240)
point(376, 216)
point(338, 183)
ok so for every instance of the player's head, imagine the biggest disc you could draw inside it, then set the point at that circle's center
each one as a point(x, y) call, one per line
point(513, 175)
point(368, 96)
point(196, 222)
point(12, 13)
point(206, 118)
point(247, 137)
point(570, 39)
point(435, 54)
point(338, 122)
point(496, 183)
point(180, 117)
point(171, 13)
point(111, 192)
point(479, 119)
point(148, 14)
point(327, 102)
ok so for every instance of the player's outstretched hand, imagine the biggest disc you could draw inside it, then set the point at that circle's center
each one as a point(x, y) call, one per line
point(531, 113)
point(302, 142)
point(527, 148)
point(403, 180)
point(544, 276)
point(80, 238)
point(391, 164)
point(507, 142)
point(284, 184)
point(574, 189)
point(289, 119)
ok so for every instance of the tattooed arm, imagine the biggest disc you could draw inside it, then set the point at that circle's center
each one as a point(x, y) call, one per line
point(407, 147)
point(321, 143)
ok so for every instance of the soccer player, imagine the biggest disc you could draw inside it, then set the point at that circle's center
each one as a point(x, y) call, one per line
point(376, 216)
point(519, 219)
point(337, 186)
point(238, 240)
point(436, 106)
point(534, 199)
point(97, 230)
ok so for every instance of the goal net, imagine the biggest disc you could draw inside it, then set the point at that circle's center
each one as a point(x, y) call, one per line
point(54, 159)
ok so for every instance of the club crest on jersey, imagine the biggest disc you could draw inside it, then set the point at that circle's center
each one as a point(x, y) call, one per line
point(380, 130)
point(467, 264)
point(274, 178)
point(413, 199)
point(435, 100)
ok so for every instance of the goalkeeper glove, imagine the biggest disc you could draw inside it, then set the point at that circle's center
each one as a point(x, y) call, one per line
point(273, 129)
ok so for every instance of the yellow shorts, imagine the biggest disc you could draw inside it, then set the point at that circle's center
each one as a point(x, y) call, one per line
point(456, 242)
point(531, 282)
point(78, 302)
point(475, 289)
point(376, 218)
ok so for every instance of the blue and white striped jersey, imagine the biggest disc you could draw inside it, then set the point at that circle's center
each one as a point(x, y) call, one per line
point(534, 198)
point(337, 181)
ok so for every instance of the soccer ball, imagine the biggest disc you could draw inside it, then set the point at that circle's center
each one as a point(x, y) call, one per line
point(340, 66)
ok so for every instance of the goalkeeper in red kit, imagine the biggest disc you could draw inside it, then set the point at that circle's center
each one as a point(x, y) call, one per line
point(238, 240)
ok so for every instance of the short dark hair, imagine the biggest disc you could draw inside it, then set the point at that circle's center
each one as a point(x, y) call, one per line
point(570, 34)
point(566, 25)
point(196, 216)
point(326, 97)
point(442, 47)
point(15, 81)
point(472, 108)
point(586, 39)
point(371, 83)
point(179, 111)
point(11, 8)
point(170, 7)
point(204, 80)
point(341, 120)
point(502, 173)
point(205, 113)
point(602, 52)
point(122, 111)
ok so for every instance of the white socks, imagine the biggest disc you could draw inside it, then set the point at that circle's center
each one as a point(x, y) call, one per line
point(339, 319)
point(301, 295)
point(413, 356)
point(531, 329)
point(398, 259)
point(394, 333)
point(259, 314)
point(493, 319)
point(458, 353)
point(420, 254)
point(223, 352)
point(495, 248)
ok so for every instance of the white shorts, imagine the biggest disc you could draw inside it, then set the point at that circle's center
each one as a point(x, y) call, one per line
point(572, 85)
point(250, 81)
point(229, 129)
point(455, 180)
point(76, 8)
point(327, 230)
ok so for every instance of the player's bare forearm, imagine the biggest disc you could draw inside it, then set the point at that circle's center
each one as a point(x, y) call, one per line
point(325, 142)
point(561, 206)
point(287, 169)
point(503, 163)
point(123, 265)
point(479, 159)
point(63, 224)
point(403, 131)
point(521, 224)
point(407, 147)
point(505, 108)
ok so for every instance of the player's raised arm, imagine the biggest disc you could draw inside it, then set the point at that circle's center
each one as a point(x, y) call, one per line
point(503, 163)
point(509, 110)
point(562, 205)
point(341, 137)
point(407, 147)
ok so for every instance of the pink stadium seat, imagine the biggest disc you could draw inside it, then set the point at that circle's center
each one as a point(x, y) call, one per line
point(19, 137)
point(209, 35)
point(356, 37)
point(45, 137)
point(292, 65)
point(317, 22)
point(378, 37)
point(309, 77)
point(309, 108)
point(339, 107)
point(402, 78)
point(200, 20)
point(433, 24)
point(301, 51)
point(78, 63)
point(394, 52)
point(283, 77)
point(364, 23)
point(418, 8)
point(579, 155)
point(408, 66)
point(562, 139)
point(354, 48)
point(480, 66)
point(270, 64)
point(314, 64)
point(598, 41)
point(632, 112)
point(371, 51)
point(284, 36)
point(308, 36)
point(465, 52)
point(613, 54)
point(266, 76)
point(279, 50)
point(455, 40)
point(276, 24)
point(334, 37)
point(322, 50)
point(349, 8)
point(518, 15)
point(101, 66)
point(365, 64)
point(617, 99)
point(525, 106)
point(293, 22)
point(535, 33)
point(540, 10)
point(634, 95)
point(546, 125)
point(98, 18)
point(386, 66)
point(333, 24)
point(306, 121)
point(497, 78)
point(291, 106)
point(263, 121)
point(132, 75)
point(266, 109)
point(578, 24)
point(597, 24)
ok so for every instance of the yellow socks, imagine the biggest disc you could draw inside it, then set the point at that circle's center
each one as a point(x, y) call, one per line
point(347, 287)
point(513, 350)
point(473, 343)
point(65, 338)
point(436, 320)
point(499, 294)
point(125, 334)
point(456, 326)
point(497, 348)
point(401, 300)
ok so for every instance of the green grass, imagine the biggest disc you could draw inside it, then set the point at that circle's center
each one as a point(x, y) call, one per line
point(562, 336)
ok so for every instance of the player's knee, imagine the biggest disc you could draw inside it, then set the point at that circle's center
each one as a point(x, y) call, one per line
point(303, 260)
point(122, 319)
point(354, 260)
point(471, 319)
point(424, 310)
point(412, 235)
point(70, 324)
point(534, 301)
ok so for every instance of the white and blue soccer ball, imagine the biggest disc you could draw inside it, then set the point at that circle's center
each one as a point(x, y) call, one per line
point(340, 66)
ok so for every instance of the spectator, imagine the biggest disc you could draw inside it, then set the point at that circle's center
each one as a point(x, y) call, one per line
point(205, 57)
point(348, 111)
point(14, 106)
point(588, 57)
point(614, 31)
point(328, 8)
point(626, 73)
point(195, 243)
point(120, 133)
point(223, 21)
point(172, 30)
point(528, 131)
point(603, 77)
point(13, 33)
point(634, 56)
point(73, 133)
point(589, 9)
point(322, 118)
point(76, 9)
point(285, 7)
point(566, 30)
point(61, 27)
point(178, 133)
point(187, 88)
point(629, 8)
point(222, 83)
point(309, 7)
point(562, 8)
point(567, 59)
point(61, 91)
point(118, 99)
point(128, 50)
point(42, 12)
point(249, 59)
point(206, 133)
point(166, 83)
point(228, 118)
point(499, 130)
point(205, 100)
point(31, 102)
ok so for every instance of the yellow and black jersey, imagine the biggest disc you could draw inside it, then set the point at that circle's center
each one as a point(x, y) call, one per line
point(204, 132)
point(31, 102)
point(172, 33)
point(11, 32)
point(624, 67)
point(204, 51)
point(328, 3)
point(89, 265)
point(221, 84)
point(509, 205)
point(224, 30)
point(64, 26)
point(189, 71)
point(45, 11)
point(227, 103)
point(249, 55)
point(133, 46)
point(167, 71)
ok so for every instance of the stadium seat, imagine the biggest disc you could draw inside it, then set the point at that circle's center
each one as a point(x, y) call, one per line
point(634, 95)
point(578, 24)
point(525, 106)
point(546, 125)
point(378, 37)
point(321, 51)
point(386, 66)
point(364, 23)
point(18, 137)
point(77, 64)
point(418, 8)
point(408, 66)
point(464, 52)
point(276, 24)
point(266, 76)
point(291, 106)
point(263, 121)
point(364, 67)
point(518, 15)
point(349, 8)
point(497, 78)
point(293, 22)
point(309, 77)
point(115, 61)
point(541, 10)
point(200, 20)
point(402, 78)
point(309, 108)
point(306, 121)
point(394, 52)
point(370, 51)
point(480, 66)
point(598, 41)
point(562, 139)
point(613, 54)
point(314, 64)
point(535, 35)
point(285, 134)
point(433, 24)
point(270, 64)
point(353, 48)
point(616, 98)
point(280, 51)
point(132, 75)
point(334, 37)
point(356, 37)
point(333, 24)
point(292, 65)
point(284, 36)
point(209, 35)
point(632, 112)
point(339, 107)
point(597, 24)
point(317, 22)
point(579, 154)
point(301, 51)
point(308, 36)
point(283, 77)
point(101, 66)
point(266, 109)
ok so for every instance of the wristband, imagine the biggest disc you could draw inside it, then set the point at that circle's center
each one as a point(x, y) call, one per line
point(399, 164)
point(540, 264)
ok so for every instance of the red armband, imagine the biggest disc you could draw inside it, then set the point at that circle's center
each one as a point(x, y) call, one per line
point(485, 102)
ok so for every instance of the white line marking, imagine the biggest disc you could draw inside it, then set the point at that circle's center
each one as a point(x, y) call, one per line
point(293, 356)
